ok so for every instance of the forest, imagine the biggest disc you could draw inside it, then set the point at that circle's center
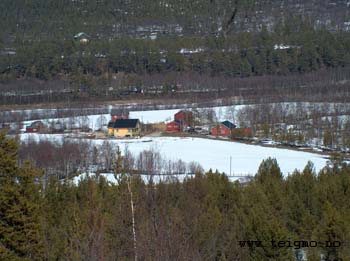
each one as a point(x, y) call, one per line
point(204, 217)
point(133, 44)
point(244, 54)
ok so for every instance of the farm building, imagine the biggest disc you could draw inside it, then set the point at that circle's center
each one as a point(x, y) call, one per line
point(124, 128)
point(117, 114)
point(224, 129)
point(184, 117)
point(173, 126)
point(36, 126)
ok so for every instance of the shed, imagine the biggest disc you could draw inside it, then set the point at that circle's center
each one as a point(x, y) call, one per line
point(173, 126)
point(30, 129)
point(224, 129)
point(36, 126)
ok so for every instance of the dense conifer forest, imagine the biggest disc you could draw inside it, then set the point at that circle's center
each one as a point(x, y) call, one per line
point(205, 217)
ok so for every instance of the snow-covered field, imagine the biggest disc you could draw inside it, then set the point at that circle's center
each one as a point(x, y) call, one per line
point(212, 154)
point(111, 178)
point(154, 116)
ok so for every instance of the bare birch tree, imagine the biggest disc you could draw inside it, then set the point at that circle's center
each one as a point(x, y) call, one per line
point(120, 172)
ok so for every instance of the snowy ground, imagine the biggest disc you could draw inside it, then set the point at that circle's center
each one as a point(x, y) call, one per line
point(111, 178)
point(212, 154)
point(155, 116)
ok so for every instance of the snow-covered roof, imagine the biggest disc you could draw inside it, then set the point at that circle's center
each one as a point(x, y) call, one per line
point(81, 35)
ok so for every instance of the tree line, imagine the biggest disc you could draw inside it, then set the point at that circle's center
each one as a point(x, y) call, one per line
point(240, 55)
point(326, 84)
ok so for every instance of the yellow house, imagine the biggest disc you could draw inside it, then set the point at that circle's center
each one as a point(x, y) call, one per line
point(110, 128)
point(124, 128)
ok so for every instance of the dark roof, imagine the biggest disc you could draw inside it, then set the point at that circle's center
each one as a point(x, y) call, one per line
point(36, 124)
point(126, 123)
point(228, 124)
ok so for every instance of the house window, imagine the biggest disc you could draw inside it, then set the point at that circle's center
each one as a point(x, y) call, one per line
point(129, 130)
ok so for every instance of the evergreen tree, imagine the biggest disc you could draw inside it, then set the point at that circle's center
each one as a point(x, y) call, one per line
point(20, 229)
point(269, 168)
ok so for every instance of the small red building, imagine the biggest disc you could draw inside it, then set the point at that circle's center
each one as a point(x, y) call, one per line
point(36, 126)
point(173, 126)
point(118, 114)
point(30, 129)
point(224, 129)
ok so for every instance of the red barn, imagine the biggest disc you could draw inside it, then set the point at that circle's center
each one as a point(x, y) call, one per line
point(184, 117)
point(224, 129)
point(173, 126)
point(118, 114)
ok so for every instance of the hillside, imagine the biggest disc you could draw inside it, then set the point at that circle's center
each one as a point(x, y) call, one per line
point(50, 19)
point(54, 51)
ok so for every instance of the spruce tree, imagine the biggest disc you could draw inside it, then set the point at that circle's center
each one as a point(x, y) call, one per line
point(20, 233)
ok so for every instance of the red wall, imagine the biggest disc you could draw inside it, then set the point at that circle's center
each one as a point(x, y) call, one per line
point(172, 126)
point(31, 130)
point(179, 116)
point(223, 131)
point(183, 116)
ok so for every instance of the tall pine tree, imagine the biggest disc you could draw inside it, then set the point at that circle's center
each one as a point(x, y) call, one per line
point(20, 233)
